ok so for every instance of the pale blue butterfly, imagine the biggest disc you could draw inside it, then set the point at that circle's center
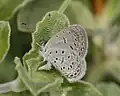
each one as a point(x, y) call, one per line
point(66, 52)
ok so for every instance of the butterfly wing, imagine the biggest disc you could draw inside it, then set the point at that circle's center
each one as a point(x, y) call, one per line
point(73, 38)
point(62, 59)
point(78, 73)
point(81, 35)
point(67, 63)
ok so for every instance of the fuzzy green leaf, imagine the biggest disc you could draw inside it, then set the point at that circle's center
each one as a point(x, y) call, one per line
point(84, 16)
point(33, 12)
point(113, 67)
point(8, 7)
point(109, 89)
point(39, 81)
point(83, 89)
point(25, 93)
point(4, 38)
point(52, 23)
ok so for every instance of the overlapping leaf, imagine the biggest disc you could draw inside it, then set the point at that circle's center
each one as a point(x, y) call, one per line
point(8, 7)
point(4, 38)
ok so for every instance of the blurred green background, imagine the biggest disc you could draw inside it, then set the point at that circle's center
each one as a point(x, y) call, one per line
point(100, 18)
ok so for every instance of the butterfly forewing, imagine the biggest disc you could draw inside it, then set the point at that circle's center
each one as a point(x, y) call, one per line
point(72, 38)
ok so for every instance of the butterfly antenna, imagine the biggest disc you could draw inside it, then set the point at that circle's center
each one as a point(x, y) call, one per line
point(38, 44)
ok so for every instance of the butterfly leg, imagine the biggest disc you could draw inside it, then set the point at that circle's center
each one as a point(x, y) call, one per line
point(47, 66)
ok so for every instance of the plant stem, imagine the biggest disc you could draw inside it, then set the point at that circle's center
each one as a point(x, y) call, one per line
point(64, 6)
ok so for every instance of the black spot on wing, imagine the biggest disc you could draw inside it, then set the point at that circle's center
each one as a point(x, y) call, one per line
point(64, 40)
point(71, 47)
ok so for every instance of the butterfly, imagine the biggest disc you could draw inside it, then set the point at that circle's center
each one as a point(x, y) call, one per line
point(66, 52)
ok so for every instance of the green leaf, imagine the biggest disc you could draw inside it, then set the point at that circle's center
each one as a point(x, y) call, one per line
point(87, 3)
point(25, 93)
point(4, 38)
point(113, 67)
point(19, 45)
point(33, 12)
point(20, 42)
point(40, 81)
point(52, 23)
point(84, 16)
point(7, 71)
point(82, 89)
point(14, 86)
point(109, 89)
point(8, 7)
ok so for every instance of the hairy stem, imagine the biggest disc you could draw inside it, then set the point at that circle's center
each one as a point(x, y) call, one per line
point(64, 6)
